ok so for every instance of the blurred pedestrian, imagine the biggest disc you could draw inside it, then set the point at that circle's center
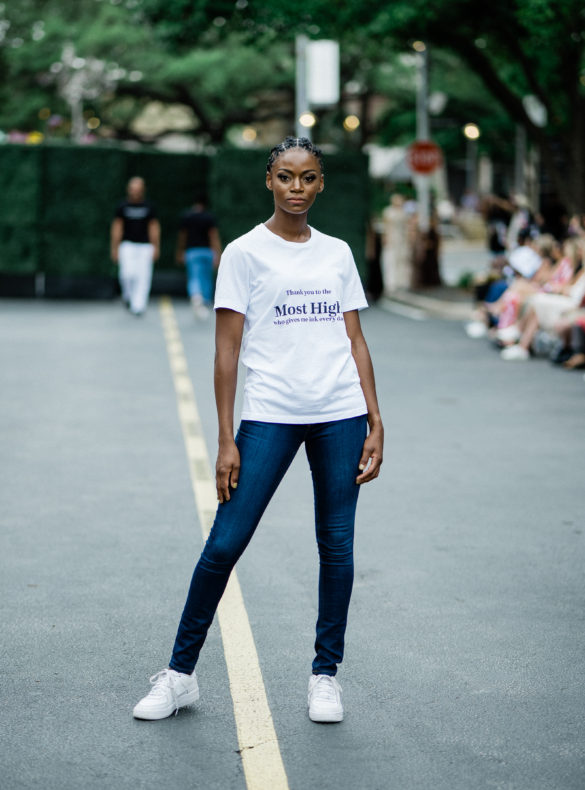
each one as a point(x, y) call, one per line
point(135, 245)
point(497, 212)
point(396, 254)
point(293, 295)
point(521, 220)
point(426, 253)
point(199, 249)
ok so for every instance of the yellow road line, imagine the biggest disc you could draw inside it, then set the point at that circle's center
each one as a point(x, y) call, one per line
point(261, 758)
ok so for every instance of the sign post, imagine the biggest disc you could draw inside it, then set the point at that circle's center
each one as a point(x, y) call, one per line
point(423, 192)
point(424, 157)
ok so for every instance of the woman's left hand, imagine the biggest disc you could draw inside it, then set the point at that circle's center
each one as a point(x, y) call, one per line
point(372, 454)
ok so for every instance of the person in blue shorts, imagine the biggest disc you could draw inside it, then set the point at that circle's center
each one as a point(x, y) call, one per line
point(199, 248)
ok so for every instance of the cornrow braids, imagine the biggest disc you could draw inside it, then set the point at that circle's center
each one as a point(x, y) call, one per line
point(294, 142)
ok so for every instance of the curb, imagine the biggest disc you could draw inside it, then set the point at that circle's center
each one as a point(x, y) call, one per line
point(419, 307)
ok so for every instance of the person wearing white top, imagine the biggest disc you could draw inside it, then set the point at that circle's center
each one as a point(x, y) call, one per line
point(544, 311)
point(287, 299)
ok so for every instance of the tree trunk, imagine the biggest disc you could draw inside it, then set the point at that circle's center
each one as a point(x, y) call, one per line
point(566, 170)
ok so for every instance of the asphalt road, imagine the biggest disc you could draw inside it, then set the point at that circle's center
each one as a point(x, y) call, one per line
point(464, 664)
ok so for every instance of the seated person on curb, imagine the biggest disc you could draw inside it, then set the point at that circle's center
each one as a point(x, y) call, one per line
point(570, 352)
point(557, 271)
point(544, 311)
point(524, 263)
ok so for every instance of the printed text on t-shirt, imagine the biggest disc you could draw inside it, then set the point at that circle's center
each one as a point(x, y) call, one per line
point(307, 311)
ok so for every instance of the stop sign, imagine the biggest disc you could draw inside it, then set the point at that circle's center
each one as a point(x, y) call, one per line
point(424, 157)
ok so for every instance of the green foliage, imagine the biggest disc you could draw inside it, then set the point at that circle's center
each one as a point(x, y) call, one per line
point(57, 202)
point(78, 186)
point(173, 181)
point(231, 63)
point(223, 80)
point(227, 84)
point(35, 33)
point(515, 47)
point(20, 196)
point(240, 201)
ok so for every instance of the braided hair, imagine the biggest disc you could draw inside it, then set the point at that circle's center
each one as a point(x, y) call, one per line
point(294, 142)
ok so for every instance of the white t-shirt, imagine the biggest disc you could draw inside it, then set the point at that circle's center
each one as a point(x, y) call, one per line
point(525, 261)
point(295, 346)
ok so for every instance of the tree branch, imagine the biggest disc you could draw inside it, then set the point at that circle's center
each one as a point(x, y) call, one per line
point(513, 104)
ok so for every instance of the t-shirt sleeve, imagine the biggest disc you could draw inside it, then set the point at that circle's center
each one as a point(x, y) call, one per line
point(119, 213)
point(152, 212)
point(232, 290)
point(353, 297)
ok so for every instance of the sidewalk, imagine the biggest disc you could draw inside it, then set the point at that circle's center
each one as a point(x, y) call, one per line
point(452, 304)
point(458, 257)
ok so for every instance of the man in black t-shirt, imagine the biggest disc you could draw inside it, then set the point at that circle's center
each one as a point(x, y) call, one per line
point(135, 245)
point(199, 249)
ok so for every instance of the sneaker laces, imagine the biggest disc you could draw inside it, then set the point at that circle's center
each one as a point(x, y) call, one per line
point(163, 682)
point(324, 689)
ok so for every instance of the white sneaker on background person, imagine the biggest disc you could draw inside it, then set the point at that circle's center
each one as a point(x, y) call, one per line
point(200, 309)
point(509, 334)
point(325, 699)
point(514, 354)
point(170, 691)
point(476, 329)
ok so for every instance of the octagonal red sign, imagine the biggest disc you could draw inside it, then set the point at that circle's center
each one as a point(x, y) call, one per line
point(424, 157)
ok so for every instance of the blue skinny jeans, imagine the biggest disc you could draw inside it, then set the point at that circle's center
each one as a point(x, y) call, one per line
point(266, 451)
point(199, 263)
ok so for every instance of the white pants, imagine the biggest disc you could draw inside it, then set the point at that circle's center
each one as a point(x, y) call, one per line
point(135, 271)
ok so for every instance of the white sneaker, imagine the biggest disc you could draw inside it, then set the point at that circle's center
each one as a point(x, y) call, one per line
point(170, 691)
point(325, 699)
point(514, 354)
point(200, 309)
point(509, 334)
point(476, 329)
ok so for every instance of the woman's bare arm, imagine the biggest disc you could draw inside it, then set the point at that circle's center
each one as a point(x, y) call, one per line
point(215, 244)
point(116, 233)
point(181, 245)
point(373, 450)
point(154, 237)
point(229, 327)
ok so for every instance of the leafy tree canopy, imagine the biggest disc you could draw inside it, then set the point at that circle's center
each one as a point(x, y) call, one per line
point(516, 47)
point(230, 62)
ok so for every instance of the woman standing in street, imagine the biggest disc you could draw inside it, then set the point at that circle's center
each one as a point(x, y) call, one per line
point(293, 295)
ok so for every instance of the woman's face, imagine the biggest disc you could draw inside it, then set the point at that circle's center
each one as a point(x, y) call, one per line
point(295, 179)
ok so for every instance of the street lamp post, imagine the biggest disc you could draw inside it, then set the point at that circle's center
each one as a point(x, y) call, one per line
point(317, 80)
point(472, 134)
point(422, 182)
point(301, 101)
point(520, 160)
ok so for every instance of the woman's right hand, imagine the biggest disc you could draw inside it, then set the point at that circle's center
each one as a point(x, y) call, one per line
point(227, 470)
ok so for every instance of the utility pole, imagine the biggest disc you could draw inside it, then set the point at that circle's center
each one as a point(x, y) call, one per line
point(520, 160)
point(301, 101)
point(422, 183)
point(426, 247)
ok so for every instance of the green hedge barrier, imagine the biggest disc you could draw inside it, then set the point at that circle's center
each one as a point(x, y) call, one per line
point(57, 202)
point(20, 199)
point(241, 200)
point(78, 189)
point(173, 182)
